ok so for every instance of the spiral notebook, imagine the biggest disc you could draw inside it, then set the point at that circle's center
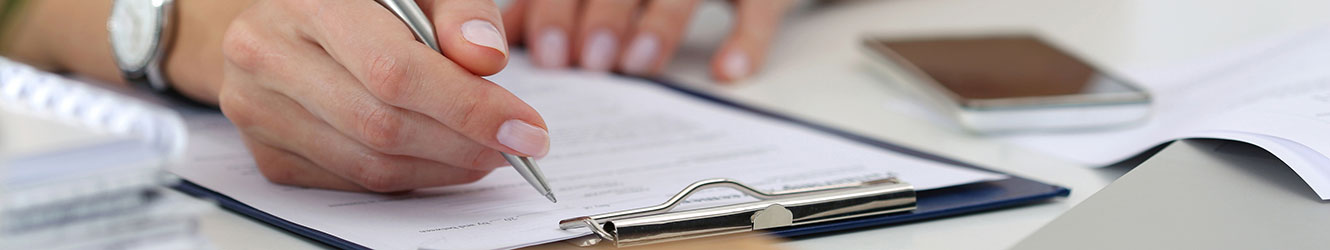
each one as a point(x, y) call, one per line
point(82, 167)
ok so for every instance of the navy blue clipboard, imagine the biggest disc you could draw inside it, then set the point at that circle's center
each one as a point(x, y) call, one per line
point(936, 203)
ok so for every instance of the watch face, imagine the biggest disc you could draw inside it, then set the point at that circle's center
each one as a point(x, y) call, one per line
point(133, 32)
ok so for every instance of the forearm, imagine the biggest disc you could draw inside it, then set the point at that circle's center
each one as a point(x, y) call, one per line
point(71, 36)
point(63, 36)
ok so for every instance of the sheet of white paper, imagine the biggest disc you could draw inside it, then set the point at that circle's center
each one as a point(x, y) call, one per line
point(1278, 99)
point(617, 143)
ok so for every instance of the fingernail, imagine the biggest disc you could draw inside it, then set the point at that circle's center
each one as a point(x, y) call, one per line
point(641, 53)
point(553, 48)
point(524, 137)
point(483, 33)
point(598, 55)
point(735, 65)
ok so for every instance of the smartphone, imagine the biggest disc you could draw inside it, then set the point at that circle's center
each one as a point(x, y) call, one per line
point(1009, 83)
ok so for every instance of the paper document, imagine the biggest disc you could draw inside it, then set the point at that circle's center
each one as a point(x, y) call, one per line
point(617, 143)
point(1276, 95)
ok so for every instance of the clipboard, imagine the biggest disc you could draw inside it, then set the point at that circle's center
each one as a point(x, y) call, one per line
point(929, 204)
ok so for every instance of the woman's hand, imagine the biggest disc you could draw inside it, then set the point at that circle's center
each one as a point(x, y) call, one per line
point(340, 95)
point(637, 37)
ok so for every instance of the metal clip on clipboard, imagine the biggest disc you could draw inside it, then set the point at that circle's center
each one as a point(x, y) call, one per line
point(657, 224)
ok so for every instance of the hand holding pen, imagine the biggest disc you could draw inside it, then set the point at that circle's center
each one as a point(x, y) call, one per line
point(341, 95)
point(419, 24)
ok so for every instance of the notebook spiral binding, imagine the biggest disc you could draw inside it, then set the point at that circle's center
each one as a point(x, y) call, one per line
point(29, 91)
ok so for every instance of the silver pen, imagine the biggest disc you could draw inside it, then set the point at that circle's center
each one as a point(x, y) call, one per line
point(410, 14)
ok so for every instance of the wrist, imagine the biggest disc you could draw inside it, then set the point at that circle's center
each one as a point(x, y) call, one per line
point(193, 65)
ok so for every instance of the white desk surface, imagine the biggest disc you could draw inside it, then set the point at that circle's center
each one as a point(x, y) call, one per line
point(815, 71)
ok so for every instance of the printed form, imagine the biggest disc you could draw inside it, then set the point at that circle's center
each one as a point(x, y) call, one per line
point(617, 143)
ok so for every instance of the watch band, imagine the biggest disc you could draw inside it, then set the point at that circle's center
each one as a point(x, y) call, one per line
point(155, 73)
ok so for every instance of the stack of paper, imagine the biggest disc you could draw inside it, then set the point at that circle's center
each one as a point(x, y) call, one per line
point(107, 196)
point(1274, 94)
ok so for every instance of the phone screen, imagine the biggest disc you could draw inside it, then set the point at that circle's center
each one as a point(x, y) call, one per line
point(1001, 67)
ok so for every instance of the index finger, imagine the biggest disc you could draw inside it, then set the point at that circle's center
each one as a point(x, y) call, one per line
point(379, 50)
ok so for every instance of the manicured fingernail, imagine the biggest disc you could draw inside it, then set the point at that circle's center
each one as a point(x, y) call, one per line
point(553, 48)
point(641, 53)
point(735, 65)
point(483, 33)
point(524, 137)
point(598, 55)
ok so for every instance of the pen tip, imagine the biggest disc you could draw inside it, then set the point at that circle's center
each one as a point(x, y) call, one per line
point(551, 197)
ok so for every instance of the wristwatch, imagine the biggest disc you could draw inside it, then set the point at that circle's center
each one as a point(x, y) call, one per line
point(140, 35)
